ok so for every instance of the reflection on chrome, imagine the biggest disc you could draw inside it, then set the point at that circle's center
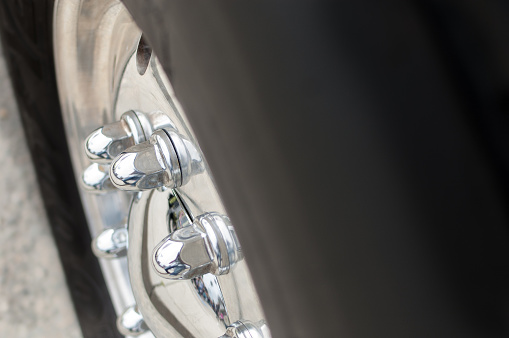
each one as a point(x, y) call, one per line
point(247, 329)
point(184, 254)
point(209, 291)
point(165, 160)
point(111, 243)
point(177, 215)
point(131, 322)
point(124, 172)
point(96, 178)
point(149, 165)
point(105, 143)
point(209, 245)
point(92, 97)
point(203, 306)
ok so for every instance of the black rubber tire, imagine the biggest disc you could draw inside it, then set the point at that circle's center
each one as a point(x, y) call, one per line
point(361, 150)
point(26, 33)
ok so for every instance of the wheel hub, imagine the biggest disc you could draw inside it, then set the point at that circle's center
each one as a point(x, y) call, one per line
point(186, 271)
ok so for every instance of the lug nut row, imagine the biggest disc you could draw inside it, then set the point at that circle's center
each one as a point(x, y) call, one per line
point(144, 151)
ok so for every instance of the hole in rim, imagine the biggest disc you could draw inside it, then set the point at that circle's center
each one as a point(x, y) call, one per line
point(143, 54)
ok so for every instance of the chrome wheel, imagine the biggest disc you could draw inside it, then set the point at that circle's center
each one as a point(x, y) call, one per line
point(140, 167)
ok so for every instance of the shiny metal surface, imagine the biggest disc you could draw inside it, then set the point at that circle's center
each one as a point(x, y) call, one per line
point(105, 143)
point(131, 323)
point(149, 165)
point(96, 178)
point(247, 329)
point(111, 243)
point(165, 160)
point(217, 300)
point(209, 245)
point(98, 75)
point(210, 293)
point(194, 308)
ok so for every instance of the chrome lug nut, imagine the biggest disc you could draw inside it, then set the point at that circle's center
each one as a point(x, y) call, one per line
point(247, 329)
point(166, 160)
point(96, 178)
point(131, 323)
point(133, 128)
point(208, 245)
point(111, 243)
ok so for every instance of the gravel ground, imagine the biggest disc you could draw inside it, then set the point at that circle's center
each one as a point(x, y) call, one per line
point(34, 300)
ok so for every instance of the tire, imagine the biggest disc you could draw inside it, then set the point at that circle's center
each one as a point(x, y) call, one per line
point(26, 33)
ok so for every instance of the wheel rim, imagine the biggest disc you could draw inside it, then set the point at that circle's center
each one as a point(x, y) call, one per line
point(105, 69)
